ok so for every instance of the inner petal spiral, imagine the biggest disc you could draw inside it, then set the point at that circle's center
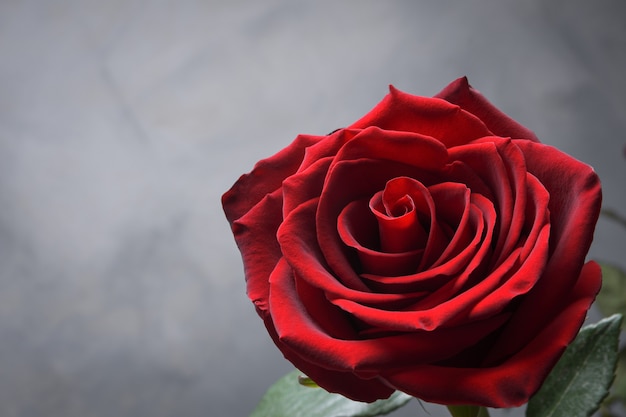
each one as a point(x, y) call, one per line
point(399, 210)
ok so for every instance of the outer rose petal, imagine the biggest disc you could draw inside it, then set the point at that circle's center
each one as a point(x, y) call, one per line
point(346, 383)
point(255, 234)
point(400, 111)
point(267, 176)
point(299, 316)
point(459, 92)
point(575, 200)
point(514, 381)
point(253, 207)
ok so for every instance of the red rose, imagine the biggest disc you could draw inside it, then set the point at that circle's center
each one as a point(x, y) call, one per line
point(435, 247)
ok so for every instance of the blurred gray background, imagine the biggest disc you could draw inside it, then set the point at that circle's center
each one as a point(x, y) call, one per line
point(123, 122)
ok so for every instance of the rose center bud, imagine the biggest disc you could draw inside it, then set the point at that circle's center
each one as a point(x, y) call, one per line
point(404, 205)
point(398, 209)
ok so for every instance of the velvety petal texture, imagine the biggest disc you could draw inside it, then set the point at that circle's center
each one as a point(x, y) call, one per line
point(434, 246)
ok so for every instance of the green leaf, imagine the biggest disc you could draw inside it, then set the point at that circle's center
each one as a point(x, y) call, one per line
point(618, 391)
point(582, 378)
point(288, 398)
point(612, 297)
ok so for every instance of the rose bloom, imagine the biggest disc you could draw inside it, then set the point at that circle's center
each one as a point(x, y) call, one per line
point(434, 247)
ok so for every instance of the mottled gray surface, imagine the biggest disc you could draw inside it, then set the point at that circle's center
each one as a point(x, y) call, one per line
point(122, 123)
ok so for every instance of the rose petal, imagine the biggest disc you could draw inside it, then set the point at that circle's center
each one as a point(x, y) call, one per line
point(328, 147)
point(357, 228)
point(400, 111)
point(301, 250)
point(501, 166)
point(509, 383)
point(343, 382)
point(266, 176)
point(354, 176)
point(441, 308)
point(397, 209)
point(574, 206)
point(255, 234)
point(459, 92)
point(349, 181)
point(414, 149)
point(297, 327)
point(458, 171)
point(452, 202)
point(424, 204)
point(452, 205)
point(304, 185)
point(515, 165)
point(531, 254)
